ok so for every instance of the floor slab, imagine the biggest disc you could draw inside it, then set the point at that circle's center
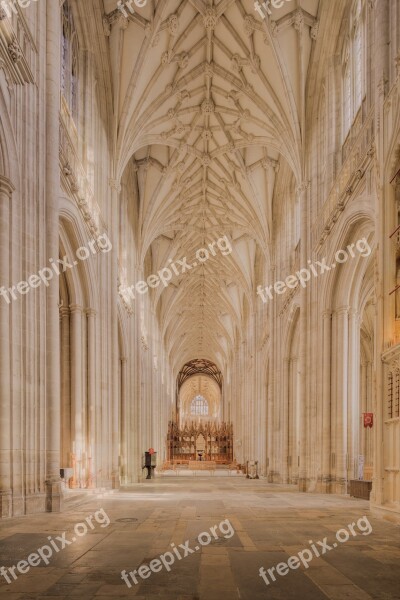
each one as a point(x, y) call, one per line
point(215, 535)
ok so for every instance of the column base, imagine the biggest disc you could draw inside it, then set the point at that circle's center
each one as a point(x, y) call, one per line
point(340, 487)
point(274, 477)
point(54, 496)
point(324, 485)
point(18, 505)
point(35, 503)
point(388, 513)
point(5, 504)
point(303, 484)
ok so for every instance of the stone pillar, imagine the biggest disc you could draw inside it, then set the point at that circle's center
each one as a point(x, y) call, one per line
point(326, 402)
point(76, 393)
point(137, 424)
point(285, 432)
point(342, 398)
point(65, 388)
point(370, 404)
point(6, 190)
point(303, 366)
point(113, 325)
point(295, 410)
point(124, 421)
point(53, 420)
point(363, 393)
point(91, 399)
point(354, 402)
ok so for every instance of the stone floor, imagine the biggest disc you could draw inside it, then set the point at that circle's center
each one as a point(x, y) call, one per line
point(271, 523)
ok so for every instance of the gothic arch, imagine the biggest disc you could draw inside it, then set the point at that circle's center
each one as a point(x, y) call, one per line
point(359, 223)
point(78, 356)
point(9, 163)
point(345, 293)
point(291, 408)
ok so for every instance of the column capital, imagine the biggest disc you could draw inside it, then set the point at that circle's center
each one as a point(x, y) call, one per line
point(6, 185)
point(64, 312)
point(327, 314)
point(115, 185)
point(302, 187)
point(75, 308)
point(91, 312)
point(343, 310)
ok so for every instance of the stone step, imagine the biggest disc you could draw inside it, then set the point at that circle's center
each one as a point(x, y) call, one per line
point(74, 498)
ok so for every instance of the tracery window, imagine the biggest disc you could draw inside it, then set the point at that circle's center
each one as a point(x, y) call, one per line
point(353, 66)
point(69, 60)
point(199, 406)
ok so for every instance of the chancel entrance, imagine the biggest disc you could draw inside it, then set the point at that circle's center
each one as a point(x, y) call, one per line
point(214, 441)
point(199, 431)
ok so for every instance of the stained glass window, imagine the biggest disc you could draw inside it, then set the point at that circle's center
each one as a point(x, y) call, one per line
point(199, 406)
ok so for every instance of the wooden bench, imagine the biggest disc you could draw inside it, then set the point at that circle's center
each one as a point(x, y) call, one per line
point(360, 489)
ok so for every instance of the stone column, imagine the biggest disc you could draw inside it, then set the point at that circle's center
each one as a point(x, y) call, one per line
point(285, 419)
point(137, 424)
point(76, 393)
point(124, 421)
point(65, 388)
point(295, 410)
point(342, 399)
point(290, 408)
point(303, 367)
point(113, 324)
point(53, 420)
point(91, 399)
point(369, 402)
point(354, 402)
point(6, 190)
point(363, 393)
point(326, 401)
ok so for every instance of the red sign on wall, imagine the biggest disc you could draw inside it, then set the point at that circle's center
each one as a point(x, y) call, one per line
point(368, 419)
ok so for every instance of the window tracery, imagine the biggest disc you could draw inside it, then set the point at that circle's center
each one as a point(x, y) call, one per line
point(199, 406)
point(353, 66)
point(69, 60)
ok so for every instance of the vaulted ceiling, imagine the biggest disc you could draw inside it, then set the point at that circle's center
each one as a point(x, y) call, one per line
point(209, 101)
